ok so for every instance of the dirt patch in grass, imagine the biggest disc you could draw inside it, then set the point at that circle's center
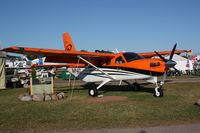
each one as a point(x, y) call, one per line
point(106, 99)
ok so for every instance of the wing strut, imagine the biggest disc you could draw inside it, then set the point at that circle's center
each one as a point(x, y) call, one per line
point(95, 67)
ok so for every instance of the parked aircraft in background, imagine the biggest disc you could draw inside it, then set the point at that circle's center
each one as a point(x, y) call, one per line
point(105, 67)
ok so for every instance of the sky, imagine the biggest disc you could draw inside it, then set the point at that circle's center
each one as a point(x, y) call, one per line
point(128, 25)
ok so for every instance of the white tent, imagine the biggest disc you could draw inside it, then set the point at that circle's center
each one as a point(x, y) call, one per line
point(183, 64)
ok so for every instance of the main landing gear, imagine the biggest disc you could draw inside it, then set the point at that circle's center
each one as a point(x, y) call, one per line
point(93, 92)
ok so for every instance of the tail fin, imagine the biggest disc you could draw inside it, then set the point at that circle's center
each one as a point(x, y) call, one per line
point(68, 44)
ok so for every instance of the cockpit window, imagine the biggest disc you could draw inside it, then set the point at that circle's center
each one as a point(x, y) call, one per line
point(119, 60)
point(132, 56)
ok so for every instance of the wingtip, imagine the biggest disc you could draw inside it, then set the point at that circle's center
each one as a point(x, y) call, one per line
point(8, 49)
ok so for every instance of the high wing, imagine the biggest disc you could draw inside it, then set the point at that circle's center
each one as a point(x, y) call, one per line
point(151, 54)
point(72, 65)
point(61, 56)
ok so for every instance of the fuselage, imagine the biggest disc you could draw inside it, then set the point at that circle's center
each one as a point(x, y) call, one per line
point(129, 61)
point(123, 66)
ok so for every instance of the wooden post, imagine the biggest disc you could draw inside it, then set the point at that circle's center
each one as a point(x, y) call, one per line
point(70, 80)
point(31, 84)
point(52, 84)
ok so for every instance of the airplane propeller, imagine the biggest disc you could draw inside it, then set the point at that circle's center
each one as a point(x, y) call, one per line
point(169, 63)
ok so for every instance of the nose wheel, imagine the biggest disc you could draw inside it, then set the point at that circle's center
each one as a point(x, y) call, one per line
point(158, 92)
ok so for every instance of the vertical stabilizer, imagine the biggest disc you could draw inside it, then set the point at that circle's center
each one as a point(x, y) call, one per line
point(68, 44)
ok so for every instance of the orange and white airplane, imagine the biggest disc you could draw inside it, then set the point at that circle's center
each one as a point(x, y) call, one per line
point(105, 67)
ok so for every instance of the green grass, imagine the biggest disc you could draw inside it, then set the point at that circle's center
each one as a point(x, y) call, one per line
point(139, 110)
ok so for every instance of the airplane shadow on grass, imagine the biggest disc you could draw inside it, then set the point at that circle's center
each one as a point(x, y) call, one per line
point(111, 88)
point(114, 88)
point(121, 88)
point(124, 88)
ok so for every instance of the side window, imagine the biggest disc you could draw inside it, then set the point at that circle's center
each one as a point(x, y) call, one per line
point(119, 60)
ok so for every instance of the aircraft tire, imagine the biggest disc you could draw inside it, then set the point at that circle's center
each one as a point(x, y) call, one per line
point(159, 93)
point(93, 92)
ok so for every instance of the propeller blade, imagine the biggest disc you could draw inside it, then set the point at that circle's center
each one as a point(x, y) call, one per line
point(160, 56)
point(172, 53)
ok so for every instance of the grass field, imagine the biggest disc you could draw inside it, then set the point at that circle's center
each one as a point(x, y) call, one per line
point(140, 109)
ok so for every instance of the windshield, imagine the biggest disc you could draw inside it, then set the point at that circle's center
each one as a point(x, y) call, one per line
point(132, 56)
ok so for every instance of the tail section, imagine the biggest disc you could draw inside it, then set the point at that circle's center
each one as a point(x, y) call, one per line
point(68, 44)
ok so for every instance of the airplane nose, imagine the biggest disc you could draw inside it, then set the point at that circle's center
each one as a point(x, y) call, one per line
point(169, 63)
